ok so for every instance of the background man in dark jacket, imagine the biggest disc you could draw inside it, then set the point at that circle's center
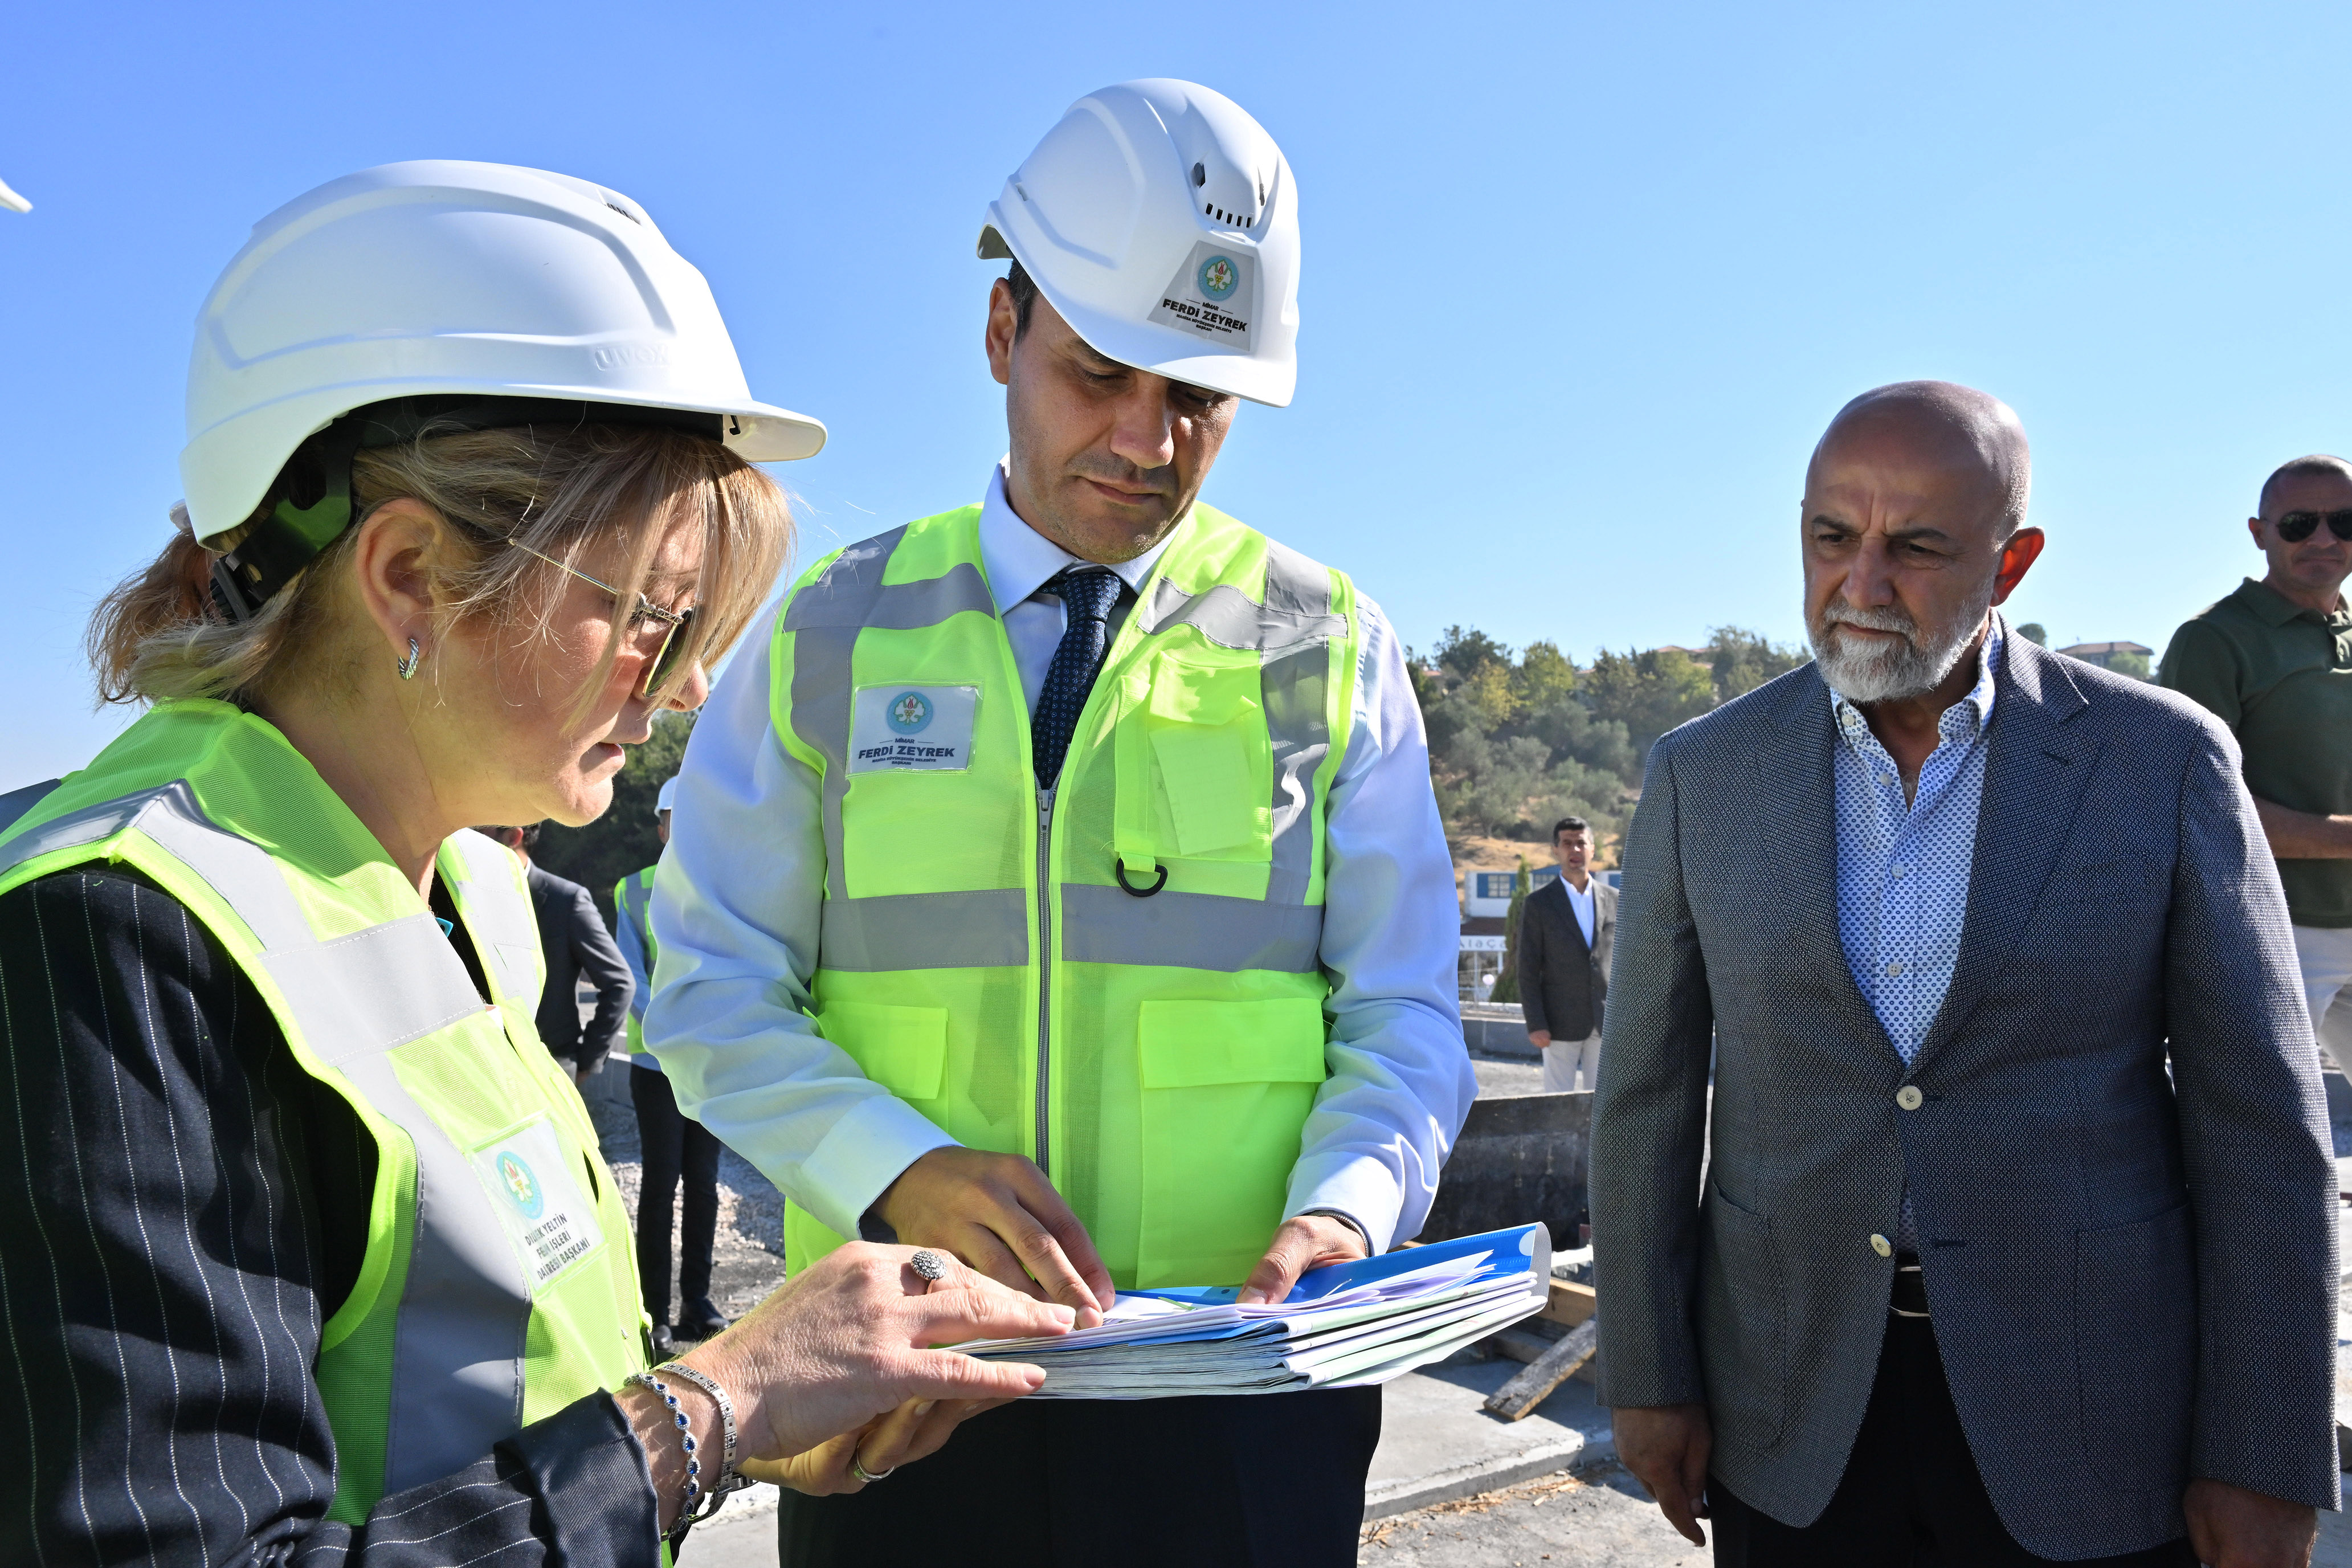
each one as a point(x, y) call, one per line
point(1566, 931)
point(572, 936)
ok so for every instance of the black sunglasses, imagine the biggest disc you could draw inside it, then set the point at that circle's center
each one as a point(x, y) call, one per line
point(2297, 526)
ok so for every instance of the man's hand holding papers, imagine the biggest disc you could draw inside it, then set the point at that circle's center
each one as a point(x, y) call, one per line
point(1310, 1241)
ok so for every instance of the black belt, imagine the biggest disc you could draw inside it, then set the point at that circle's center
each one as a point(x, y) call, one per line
point(1910, 1299)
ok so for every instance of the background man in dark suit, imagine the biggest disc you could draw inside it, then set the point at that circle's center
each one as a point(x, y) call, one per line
point(572, 936)
point(1566, 929)
point(1972, 1279)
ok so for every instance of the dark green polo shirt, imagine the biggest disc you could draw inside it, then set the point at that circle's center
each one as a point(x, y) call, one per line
point(2280, 677)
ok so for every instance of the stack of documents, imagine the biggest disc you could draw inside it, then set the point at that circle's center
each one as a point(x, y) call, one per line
point(1342, 1327)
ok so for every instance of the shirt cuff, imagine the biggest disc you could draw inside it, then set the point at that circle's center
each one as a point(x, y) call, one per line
point(865, 1153)
point(1363, 1192)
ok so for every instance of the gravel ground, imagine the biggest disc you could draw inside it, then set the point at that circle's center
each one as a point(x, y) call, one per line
point(1602, 1519)
point(747, 1255)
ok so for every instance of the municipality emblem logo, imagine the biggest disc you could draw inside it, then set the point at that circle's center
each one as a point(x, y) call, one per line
point(522, 1187)
point(1219, 276)
point(909, 712)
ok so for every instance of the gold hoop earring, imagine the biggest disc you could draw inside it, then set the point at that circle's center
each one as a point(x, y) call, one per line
point(407, 666)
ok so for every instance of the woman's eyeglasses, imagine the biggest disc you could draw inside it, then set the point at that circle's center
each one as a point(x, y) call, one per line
point(672, 622)
point(2297, 526)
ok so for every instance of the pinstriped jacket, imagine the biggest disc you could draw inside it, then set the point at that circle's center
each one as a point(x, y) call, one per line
point(2132, 1273)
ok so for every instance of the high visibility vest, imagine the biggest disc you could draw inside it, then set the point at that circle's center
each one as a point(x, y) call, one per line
point(498, 1284)
point(633, 897)
point(1120, 978)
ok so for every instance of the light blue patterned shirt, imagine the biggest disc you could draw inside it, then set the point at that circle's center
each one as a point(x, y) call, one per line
point(1903, 866)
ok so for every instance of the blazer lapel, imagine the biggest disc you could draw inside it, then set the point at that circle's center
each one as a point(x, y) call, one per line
point(1795, 792)
point(2035, 773)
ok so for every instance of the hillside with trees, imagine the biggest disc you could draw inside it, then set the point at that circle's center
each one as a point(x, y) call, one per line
point(1516, 741)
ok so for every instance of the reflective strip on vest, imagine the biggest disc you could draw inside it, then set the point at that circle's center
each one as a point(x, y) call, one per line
point(458, 1357)
point(1290, 632)
point(825, 617)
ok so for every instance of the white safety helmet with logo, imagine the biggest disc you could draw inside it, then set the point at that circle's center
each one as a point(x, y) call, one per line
point(1161, 221)
point(454, 295)
point(666, 798)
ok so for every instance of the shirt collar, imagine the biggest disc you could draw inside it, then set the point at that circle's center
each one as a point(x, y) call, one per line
point(1974, 709)
point(2274, 608)
point(1019, 559)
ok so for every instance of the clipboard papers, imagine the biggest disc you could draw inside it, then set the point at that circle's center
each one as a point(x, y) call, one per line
point(1344, 1326)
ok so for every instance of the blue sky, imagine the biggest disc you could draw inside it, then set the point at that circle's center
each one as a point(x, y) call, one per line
point(1582, 283)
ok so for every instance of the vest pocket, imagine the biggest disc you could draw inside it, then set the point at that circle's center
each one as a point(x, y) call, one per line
point(1227, 1087)
point(904, 1050)
point(1195, 769)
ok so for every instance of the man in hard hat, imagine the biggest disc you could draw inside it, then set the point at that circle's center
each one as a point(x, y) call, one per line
point(674, 1148)
point(1060, 883)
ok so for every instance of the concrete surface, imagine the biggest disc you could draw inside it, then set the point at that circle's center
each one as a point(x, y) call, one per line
point(1438, 1444)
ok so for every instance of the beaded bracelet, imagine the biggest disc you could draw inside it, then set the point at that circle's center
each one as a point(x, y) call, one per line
point(710, 1385)
point(686, 1435)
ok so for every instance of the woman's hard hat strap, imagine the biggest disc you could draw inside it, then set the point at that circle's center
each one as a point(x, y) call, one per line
point(278, 546)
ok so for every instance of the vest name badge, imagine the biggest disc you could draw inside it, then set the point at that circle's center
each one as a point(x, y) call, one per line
point(912, 727)
point(537, 1198)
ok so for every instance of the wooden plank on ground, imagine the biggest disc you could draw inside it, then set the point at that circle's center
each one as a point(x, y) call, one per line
point(1569, 1304)
point(1533, 1383)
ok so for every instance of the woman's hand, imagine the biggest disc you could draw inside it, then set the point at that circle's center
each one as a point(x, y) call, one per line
point(914, 1430)
point(850, 1338)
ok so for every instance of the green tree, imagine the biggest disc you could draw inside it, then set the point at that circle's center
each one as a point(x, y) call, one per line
point(1464, 651)
point(1741, 660)
point(2035, 632)
point(1544, 676)
point(1648, 693)
point(1507, 984)
point(2131, 664)
point(624, 839)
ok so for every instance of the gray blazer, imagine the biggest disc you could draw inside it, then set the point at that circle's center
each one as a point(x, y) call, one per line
point(2133, 1276)
point(1563, 981)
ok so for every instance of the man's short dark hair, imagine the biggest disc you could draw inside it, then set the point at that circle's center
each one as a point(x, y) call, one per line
point(1570, 825)
point(499, 831)
point(1024, 290)
point(2301, 469)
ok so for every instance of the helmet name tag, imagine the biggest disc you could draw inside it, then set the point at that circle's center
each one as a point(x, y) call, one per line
point(917, 728)
point(536, 1195)
point(1213, 295)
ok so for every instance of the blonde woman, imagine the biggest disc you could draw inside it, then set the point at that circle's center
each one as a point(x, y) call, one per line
point(306, 1251)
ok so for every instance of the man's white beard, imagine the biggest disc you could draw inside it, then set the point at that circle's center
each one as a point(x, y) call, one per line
point(1878, 670)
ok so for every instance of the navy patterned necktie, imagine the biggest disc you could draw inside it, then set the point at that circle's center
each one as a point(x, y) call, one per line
point(1087, 594)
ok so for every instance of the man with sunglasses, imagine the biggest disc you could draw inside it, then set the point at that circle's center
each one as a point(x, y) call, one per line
point(2274, 661)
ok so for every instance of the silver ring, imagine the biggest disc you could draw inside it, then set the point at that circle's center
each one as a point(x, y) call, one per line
point(857, 1468)
point(930, 1265)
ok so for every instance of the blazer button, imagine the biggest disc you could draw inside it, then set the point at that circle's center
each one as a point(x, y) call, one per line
point(1909, 1097)
point(1880, 1246)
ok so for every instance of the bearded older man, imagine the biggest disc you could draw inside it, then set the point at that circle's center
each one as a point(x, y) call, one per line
point(1971, 1278)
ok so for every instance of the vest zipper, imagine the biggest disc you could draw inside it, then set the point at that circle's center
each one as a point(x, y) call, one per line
point(1045, 967)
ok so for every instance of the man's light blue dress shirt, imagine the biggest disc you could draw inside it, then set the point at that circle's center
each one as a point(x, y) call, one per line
point(1903, 864)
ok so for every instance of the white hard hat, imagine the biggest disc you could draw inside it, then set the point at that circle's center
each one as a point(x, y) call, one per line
point(1161, 220)
point(461, 283)
point(668, 796)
